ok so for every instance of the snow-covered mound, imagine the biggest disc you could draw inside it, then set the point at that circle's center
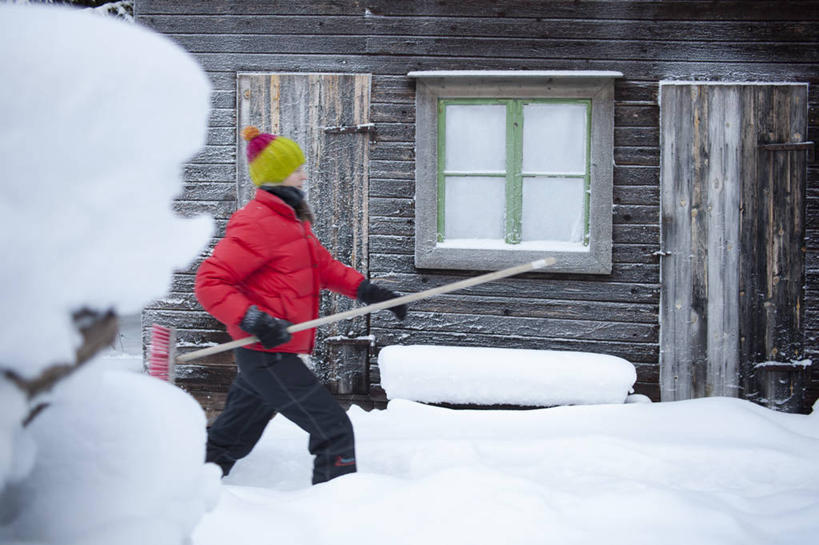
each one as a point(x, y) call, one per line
point(120, 460)
point(98, 116)
point(499, 376)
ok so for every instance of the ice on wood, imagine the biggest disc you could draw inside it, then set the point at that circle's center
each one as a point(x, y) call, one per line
point(498, 376)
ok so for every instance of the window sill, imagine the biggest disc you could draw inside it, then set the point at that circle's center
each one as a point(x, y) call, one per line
point(486, 258)
point(528, 246)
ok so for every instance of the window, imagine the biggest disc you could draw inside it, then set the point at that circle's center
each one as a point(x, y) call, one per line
point(514, 166)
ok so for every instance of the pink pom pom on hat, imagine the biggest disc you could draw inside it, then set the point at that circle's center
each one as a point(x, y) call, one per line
point(270, 158)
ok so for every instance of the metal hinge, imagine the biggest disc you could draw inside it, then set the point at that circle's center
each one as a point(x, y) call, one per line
point(347, 129)
point(791, 146)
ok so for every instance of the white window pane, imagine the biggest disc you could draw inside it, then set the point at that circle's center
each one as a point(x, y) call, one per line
point(554, 138)
point(476, 137)
point(553, 209)
point(475, 207)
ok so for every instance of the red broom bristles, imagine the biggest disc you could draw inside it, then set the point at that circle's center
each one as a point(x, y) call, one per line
point(159, 354)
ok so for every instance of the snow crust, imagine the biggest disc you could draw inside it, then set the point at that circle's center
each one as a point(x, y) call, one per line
point(489, 376)
point(98, 116)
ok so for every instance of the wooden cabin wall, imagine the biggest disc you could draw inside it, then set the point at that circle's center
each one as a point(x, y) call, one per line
point(647, 41)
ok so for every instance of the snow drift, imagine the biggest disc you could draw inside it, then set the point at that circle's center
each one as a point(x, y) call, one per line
point(498, 376)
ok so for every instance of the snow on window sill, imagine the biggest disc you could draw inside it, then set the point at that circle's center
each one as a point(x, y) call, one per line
point(526, 246)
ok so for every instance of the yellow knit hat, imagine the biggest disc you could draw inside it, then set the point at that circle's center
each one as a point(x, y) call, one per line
point(270, 158)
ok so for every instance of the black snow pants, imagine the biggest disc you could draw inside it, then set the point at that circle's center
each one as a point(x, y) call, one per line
point(271, 382)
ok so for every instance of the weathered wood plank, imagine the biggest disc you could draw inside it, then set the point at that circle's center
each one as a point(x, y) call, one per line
point(632, 155)
point(636, 175)
point(221, 136)
point(394, 113)
point(393, 89)
point(635, 214)
point(393, 207)
point(400, 65)
point(208, 191)
point(631, 351)
point(676, 315)
point(405, 245)
point(643, 195)
point(393, 151)
point(525, 47)
point(389, 188)
point(621, 272)
point(269, 43)
point(701, 31)
point(223, 99)
point(636, 115)
point(217, 209)
point(392, 169)
point(215, 154)
point(643, 137)
point(194, 172)
point(539, 308)
point(722, 179)
point(630, 90)
point(222, 117)
point(556, 288)
point(698, 10)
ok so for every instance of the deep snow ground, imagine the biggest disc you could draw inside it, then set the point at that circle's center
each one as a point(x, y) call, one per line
point(709, 471)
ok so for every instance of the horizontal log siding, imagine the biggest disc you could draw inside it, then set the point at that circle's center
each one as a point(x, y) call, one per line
point(646, 40)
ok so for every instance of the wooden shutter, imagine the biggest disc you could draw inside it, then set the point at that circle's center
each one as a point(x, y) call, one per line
point(733, 226)
point(324, 113)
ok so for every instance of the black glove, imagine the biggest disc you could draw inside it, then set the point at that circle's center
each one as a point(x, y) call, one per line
point(370, 293)
point(270, 331)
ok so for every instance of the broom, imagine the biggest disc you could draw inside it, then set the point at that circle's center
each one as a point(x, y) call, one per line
point(163, 357)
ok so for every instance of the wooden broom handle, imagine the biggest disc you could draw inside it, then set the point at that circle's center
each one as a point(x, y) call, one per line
point(404, 299)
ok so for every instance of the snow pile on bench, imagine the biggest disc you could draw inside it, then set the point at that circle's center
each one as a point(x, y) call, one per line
point(503, 376)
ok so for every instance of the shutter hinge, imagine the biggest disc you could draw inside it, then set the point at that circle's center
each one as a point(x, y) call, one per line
point(348, 129)
point(791, 146)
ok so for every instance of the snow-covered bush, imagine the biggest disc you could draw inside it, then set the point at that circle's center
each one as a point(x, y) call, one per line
point(98, 116)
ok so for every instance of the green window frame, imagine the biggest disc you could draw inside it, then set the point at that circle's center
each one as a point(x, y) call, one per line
point(514, 174)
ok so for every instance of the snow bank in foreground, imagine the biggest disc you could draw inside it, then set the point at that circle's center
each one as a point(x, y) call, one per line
point(120, 461)
point(97, 117)
point(487, 376)
point(714, 471)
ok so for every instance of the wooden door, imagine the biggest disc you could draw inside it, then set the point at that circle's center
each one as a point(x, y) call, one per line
point(733, 229)
point(328, 115)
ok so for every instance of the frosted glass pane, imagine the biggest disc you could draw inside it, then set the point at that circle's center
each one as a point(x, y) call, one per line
point(476, 138)
point(475, 207)
point(554, 138)
point(553, 209)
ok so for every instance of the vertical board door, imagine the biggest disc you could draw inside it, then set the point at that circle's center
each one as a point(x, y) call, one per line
point(733, 231)
point(311, 108)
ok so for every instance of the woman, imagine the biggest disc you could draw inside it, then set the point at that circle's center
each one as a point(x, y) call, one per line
point(263, 276)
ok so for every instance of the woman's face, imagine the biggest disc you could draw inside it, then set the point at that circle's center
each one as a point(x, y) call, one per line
point(296, 178)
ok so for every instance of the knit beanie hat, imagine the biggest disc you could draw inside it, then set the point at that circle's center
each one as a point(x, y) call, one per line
point(270, 158)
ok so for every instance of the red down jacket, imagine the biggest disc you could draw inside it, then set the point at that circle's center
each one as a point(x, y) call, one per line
point(271, 259)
